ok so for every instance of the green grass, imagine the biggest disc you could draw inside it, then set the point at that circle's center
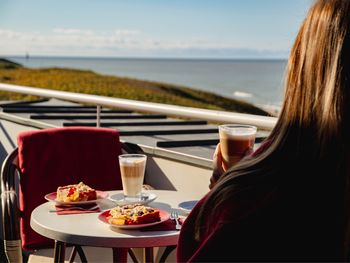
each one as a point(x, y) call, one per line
point(89, 82)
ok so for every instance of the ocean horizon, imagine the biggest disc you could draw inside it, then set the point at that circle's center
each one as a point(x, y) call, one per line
point(257, 81)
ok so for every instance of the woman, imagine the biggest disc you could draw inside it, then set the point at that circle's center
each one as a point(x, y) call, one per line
point(290, 202)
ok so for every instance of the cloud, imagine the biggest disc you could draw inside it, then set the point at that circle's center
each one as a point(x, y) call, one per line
point(118, 42)
point(71, 31)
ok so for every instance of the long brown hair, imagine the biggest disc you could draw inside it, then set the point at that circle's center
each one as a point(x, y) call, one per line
point(313, 127)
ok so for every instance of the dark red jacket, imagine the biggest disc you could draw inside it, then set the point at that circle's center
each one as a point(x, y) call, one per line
point(268, 220)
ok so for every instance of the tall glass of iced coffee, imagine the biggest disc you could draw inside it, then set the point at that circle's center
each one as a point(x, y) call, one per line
point(132, 168)
point(236, 141)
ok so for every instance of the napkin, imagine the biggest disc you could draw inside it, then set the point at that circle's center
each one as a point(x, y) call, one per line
point(82, 209)
point(165, 226)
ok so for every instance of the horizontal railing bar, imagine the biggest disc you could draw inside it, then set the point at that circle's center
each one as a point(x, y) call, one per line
point(262, 122)
point(189, 143)
point(22, 102)
point(6, 106)
point(167, 132)
point(90, 117)
point(146, 123)
point(186, 143)
point(56, 110)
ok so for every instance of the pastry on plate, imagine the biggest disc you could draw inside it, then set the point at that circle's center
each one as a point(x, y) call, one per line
point(133, 214)
point(76, 193)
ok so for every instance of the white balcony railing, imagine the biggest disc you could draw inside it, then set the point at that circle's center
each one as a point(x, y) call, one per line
point(262, 122)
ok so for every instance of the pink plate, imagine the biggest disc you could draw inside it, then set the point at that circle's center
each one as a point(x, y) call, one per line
point(164, 216)
point(52, 198)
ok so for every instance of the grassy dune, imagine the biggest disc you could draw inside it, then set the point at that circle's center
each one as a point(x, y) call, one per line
point(7, 64)
point(84, 81)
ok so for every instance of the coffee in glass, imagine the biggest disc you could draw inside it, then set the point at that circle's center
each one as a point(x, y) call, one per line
point(132, 168)
point(236, 141)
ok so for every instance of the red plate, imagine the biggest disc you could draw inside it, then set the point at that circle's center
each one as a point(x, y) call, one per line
point(52, 198)
point(164, 216)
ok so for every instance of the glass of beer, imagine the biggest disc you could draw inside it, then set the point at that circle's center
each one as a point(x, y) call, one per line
point(132, 169)
point(236, 141)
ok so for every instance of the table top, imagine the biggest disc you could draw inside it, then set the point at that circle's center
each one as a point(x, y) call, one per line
point(87, 229)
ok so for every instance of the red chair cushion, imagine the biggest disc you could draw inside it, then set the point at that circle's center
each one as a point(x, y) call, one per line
point(54, 157)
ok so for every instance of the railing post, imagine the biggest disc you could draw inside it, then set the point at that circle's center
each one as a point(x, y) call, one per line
point(98, 116)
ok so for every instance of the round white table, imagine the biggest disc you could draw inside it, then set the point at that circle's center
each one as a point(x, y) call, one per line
point(86, 229)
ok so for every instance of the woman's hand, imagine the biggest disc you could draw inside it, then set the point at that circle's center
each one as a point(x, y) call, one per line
point(218, 167)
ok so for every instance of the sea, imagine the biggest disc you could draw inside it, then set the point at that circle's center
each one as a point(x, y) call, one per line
point(256, 81)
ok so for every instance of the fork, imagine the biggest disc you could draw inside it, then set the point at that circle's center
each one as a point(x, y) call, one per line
point(68, 208)
point(174, 215)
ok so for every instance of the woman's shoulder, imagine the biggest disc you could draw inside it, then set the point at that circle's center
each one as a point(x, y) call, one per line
point(228, 218)
point(243, 199)
point(263, 147)
point(246, 199)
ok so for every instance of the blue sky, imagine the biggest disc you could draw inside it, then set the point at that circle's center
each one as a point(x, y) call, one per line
point(151, 28)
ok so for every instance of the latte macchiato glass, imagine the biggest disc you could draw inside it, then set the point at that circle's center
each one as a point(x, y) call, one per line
point(236, 141)
point(132, 168)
